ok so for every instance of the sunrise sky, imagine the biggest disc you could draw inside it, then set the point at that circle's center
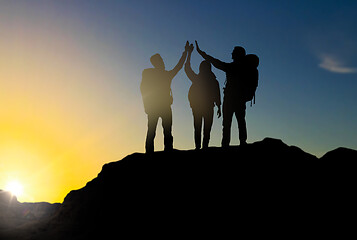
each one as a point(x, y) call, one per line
point(70, 73)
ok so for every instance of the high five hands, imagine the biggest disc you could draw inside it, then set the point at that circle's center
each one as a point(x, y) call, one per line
point(189, 48)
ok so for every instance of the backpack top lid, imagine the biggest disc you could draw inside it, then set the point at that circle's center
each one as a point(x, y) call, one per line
point(252, 60)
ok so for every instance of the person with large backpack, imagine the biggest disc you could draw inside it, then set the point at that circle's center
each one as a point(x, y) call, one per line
point(203, 95)
point(238, 90)
point(157, 97)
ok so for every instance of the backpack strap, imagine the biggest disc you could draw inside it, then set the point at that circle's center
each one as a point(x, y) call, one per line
point(252, 101)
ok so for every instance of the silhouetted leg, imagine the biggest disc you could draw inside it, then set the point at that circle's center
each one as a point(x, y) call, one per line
point(240, 114)
point(208, 119)
point(197, 124)
point(150, 136)
point(227, 122)
point(167, 126)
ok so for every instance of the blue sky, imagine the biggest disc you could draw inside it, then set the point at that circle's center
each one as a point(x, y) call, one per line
point(70, 73)
point(307, 53)
point(308, 65)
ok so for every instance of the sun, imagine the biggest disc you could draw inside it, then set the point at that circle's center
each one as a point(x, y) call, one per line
point(15, 188)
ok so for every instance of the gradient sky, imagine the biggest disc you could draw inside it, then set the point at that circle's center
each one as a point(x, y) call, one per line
point(70, 73)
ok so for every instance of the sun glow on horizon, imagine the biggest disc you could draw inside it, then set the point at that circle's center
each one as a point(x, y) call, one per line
point(15, 187)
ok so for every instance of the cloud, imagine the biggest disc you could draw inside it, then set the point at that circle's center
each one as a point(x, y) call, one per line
point(332, 64)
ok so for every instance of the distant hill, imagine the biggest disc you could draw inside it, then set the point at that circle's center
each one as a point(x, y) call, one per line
point(208, 193)
point(16, 215)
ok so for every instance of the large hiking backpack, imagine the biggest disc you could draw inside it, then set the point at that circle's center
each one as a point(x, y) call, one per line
point(242, 80)
point(250, 87)
point(250, 77)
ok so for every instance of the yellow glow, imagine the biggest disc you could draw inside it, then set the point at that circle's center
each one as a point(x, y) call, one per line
point(61, 118)
point(15, 188)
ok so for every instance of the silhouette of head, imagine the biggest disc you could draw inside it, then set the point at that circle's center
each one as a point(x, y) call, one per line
point(157, 62)
point(205, 66)
point(252, 60)
point(238, 53)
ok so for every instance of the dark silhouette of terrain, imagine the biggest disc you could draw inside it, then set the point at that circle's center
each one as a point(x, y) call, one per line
point(16, 215)
point(261, 188)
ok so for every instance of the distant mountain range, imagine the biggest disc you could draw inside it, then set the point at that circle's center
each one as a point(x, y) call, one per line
point(212, 193)
point(14, 214)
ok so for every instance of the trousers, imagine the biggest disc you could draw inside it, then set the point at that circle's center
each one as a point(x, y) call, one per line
point(153, 117)
point(229, 108)
point(200, 117)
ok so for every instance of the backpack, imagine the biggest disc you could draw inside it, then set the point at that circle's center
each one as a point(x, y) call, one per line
point(251, 76)
point(250, 86)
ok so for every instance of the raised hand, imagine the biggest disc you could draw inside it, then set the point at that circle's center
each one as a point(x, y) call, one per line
point(187, 46)
point(197, 47)
point(199, 50)
point(190, 49)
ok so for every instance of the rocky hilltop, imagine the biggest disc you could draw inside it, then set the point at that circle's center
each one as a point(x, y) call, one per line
point(211, 192)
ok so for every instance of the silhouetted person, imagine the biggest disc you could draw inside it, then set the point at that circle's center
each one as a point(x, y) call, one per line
point(157, 98)
point(234, 96)
point(204, 93)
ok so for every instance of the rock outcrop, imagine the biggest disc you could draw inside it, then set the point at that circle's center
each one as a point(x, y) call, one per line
point(213, 192)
